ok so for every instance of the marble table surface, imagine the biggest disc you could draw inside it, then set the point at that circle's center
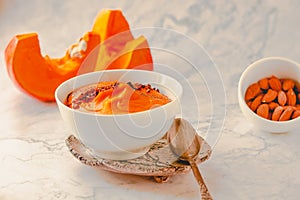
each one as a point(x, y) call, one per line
point(245, 164)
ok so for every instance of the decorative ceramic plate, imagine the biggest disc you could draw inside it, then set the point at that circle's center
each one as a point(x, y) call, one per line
point(158, 162)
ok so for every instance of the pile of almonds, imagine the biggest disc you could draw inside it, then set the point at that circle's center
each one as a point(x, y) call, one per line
point(275, 99)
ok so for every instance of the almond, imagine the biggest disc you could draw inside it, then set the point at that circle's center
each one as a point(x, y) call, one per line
point(252, 91)
point(281, 98)
point(273, 105)
point(287, 113)
point(275, 99)
point(256, 102)
point(277, 113)
point(269, 96)
point(291, 97)
point(275, 83)
point(264, 83)
point(296, 114)
point(288, 84)
point(263, 110)
point(293, 107)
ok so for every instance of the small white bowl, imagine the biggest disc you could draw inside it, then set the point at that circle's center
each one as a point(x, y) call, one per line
point(121, 136)
point(266, 67)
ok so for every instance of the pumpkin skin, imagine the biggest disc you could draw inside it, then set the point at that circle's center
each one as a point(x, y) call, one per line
point(39, 76)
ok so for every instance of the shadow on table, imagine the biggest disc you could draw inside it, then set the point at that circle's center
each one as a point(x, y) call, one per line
point(182, 185)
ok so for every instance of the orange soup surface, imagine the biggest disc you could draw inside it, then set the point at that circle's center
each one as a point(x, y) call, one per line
point(115, 98)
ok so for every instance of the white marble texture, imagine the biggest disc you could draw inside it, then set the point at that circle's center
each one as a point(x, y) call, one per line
point(246, 163)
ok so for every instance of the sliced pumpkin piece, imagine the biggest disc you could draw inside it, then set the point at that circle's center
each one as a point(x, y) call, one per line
point(39, 76)
point(119, 49)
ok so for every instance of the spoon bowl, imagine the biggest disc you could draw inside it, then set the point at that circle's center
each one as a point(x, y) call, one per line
point(185, 144)
point(183, 139)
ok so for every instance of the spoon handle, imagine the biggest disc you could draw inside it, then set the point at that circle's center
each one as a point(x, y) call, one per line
point(203, 189)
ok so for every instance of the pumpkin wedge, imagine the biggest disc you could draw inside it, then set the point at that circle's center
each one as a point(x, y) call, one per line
point(118, 48)
point(40, 75)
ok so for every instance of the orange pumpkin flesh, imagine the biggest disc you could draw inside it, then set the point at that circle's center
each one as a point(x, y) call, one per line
point(37, 75)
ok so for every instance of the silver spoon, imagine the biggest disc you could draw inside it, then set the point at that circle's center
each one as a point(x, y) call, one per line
point(185, 144)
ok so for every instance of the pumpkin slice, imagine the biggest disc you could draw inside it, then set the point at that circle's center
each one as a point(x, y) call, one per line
point(39, 76)
point(119, 49)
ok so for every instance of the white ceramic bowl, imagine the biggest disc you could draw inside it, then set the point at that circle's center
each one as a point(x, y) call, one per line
point(121, 136)
point(266, 67)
